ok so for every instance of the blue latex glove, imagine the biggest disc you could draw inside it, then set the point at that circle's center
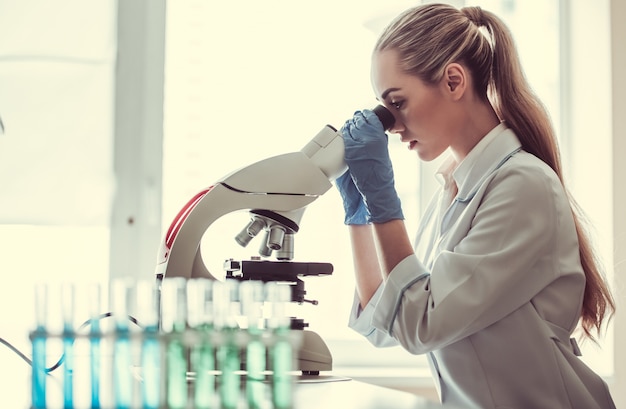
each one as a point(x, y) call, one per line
point(353, 204)
point(367, 156)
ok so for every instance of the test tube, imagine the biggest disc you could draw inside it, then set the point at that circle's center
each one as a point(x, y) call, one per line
point(174, 323)
point(225, 296)
point(281, 350)
point(200, 304)
point(251, 299)
point(94, 344)
point(67, 314)
point(148, 309)
point(122, 300)
point(38, 339)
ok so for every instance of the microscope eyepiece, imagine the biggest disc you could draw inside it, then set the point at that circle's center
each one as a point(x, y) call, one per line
point(385, 116)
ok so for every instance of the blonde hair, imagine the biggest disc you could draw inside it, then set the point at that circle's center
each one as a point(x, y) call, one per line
point(428, 38)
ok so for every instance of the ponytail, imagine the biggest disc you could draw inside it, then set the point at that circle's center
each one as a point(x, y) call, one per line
point(517, 105)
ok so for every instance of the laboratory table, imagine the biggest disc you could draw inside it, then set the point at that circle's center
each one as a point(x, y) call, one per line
point(322, 392)
point(344, 393)
point(351, 394)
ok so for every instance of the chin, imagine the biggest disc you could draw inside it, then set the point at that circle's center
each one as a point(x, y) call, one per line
point(426, 156)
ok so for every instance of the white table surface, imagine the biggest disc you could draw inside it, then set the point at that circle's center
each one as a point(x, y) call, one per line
point(326, 391)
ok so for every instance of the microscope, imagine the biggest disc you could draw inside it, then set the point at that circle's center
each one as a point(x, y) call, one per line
point(275, 191)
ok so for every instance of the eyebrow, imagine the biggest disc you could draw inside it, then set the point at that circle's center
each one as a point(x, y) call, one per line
point(387, 91)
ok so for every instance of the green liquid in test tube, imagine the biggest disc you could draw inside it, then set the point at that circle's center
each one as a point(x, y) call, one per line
point(281, 348)
point(200, 316)
point(251, 294)
point(225, 312)
point(203, 360)
point(282, 357)
point(176, 373)
point(174, 323)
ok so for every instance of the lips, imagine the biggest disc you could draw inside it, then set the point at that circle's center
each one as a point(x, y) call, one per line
point(412, 145)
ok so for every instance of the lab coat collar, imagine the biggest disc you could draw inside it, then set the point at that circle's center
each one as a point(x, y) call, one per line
point(488, 154)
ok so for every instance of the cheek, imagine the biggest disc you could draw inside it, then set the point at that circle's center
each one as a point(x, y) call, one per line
point(430, 115)
point(420, 118)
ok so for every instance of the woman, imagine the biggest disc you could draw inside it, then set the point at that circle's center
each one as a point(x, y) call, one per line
point(502, 272)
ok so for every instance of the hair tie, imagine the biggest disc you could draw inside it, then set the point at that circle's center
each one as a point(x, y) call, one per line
point(475, 15)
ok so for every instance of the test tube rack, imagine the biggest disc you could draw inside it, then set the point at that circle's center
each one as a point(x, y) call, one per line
point(238, 359)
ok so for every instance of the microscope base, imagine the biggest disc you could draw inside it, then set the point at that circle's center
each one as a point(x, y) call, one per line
point(313, 354)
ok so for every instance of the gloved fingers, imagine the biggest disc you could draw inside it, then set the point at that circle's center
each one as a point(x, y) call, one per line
point(372, 119)
point(364, 125)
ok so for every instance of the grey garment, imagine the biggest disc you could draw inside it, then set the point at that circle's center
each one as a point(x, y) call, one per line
point(494, 292)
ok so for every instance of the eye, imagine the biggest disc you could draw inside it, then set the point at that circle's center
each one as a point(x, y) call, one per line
point(397, 104)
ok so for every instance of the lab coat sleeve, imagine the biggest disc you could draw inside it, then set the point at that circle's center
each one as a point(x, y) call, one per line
point(504, 257)
point(361, 321)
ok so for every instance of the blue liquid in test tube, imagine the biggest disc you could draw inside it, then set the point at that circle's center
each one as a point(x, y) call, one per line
point(122, 377)
point(94, 346)
point(67, 300)
point(151, 357)
point(148, 307)
point(68, 369)
point(39, 368)
point(38, 339)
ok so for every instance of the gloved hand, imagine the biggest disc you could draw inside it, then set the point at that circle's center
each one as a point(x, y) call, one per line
point(353, 204)
point(367, 156)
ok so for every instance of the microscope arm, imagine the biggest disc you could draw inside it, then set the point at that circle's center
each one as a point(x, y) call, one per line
point(286, 184)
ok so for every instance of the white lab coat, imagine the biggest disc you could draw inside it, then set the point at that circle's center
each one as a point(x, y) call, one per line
point(494, 290)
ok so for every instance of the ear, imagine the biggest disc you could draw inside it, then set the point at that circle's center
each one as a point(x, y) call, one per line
point(455, 80)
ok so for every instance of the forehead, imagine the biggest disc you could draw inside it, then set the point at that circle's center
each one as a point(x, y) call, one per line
point(385, 71)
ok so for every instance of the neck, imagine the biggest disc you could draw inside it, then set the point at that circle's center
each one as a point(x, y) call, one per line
point(479, 120)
